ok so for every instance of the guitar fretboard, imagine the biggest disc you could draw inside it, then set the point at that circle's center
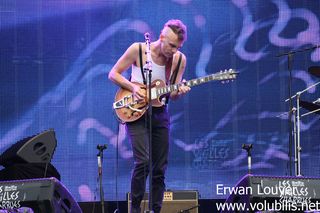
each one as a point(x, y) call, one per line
point(227, 75)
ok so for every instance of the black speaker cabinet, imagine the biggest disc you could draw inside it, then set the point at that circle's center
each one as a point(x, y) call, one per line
point(45, 195)
point(173, 202)
point(34, 149)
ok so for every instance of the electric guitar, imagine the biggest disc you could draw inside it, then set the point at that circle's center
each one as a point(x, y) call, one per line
point(128, 109)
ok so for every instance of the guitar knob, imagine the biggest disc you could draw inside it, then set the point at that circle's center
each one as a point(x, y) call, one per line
point(163, 101)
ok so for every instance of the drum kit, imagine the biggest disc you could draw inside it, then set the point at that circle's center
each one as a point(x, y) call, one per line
point(312, 107)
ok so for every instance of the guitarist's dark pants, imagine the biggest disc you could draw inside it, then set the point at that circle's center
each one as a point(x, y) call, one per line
point(138, 134)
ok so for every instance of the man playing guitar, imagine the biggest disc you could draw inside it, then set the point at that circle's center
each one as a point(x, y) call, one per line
point(168, 65)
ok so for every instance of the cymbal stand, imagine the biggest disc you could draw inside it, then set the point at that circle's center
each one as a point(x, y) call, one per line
point(297, 147)
point(294, 113)
point(290, 55)
point(296, 131)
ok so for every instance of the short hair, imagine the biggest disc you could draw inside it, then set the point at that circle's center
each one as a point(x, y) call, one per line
point(178, 28)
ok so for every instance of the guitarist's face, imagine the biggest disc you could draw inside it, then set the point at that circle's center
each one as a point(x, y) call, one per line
point(170, 43)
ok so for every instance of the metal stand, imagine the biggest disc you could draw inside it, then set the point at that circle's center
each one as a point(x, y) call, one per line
point(100, 160)
point(148, 71)
point(298, 147)
point(248, 148)
point(296, 120)
point(296, 161)
point(290, 62)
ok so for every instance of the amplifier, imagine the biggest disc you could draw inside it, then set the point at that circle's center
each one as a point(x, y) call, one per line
point(280, 193)
point(173, 202)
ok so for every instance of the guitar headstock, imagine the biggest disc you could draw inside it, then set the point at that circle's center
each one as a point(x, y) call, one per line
point(226, 75)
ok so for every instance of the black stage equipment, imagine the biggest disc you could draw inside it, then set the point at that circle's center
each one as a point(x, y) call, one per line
point(30, 158)
point(274, 194)
point(46, 195)
point(173, 202)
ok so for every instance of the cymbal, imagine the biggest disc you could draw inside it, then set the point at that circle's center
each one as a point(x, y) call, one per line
point(314, 70)
point(310, 106)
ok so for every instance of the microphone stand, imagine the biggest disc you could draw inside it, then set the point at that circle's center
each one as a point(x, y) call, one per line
point(100, 160)
point(248, 148)
point(290, 63)
point(148, 71)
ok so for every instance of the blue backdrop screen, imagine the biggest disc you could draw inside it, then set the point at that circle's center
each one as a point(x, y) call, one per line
point(56, 55)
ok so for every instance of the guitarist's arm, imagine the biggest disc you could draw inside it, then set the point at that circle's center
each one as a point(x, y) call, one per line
point(182, 89)
point(123, 64)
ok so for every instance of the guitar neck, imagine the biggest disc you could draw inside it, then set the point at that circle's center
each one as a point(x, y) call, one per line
point(190, 83)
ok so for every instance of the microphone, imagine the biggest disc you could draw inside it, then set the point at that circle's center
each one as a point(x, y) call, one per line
point(246, 147)
point(101, 147)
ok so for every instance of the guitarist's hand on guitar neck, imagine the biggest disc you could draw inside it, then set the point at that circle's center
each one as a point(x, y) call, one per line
point(183, 89)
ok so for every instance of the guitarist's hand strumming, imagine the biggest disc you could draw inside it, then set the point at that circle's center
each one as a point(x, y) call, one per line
point(139, 92)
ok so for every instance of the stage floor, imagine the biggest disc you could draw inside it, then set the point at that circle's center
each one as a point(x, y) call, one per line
point(206, 206)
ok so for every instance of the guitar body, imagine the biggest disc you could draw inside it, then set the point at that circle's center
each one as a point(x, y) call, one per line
point(130, 110)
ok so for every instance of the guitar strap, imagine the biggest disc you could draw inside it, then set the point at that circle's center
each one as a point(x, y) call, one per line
point(175, 72)
point(174, 75)
point(141, 65)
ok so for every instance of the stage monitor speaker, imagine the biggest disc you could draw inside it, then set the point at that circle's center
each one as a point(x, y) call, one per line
point(173, 202)
point(45, 195)
point(279, 193)
point(34, 149)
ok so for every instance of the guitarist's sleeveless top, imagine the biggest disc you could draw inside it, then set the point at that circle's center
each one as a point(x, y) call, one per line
point(158, 72)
